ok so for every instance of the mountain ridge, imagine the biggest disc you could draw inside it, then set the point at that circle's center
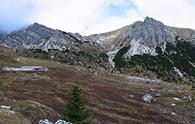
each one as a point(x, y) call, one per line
point(130, 48)
point(109, 39)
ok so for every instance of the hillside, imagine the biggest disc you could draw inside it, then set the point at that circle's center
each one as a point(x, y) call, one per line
point(175, 64)
point(151, 49)
point(7, 57)
point(141, 73)
point(111, 98)
point(42, 42)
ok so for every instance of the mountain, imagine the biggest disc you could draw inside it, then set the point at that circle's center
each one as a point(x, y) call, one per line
point(148, 49)
point(143, 56)
point(40, 41)
point(41, 37)
point(151, 49)
point(143, 37)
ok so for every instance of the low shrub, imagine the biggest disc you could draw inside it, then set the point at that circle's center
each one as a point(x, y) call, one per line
point(1, 83)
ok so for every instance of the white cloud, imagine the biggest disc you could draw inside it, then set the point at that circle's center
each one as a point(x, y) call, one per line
point(71, 15)
point(178, 13)
point(114, 22)
point(84, 16)
point(87, 16)
point(93, 16)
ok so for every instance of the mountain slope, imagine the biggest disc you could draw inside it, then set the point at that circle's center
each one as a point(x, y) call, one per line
point(186, 34)
point(148, 49)
point(42, 42)
point(143, 37)
point(151, 49)
point(40, 37)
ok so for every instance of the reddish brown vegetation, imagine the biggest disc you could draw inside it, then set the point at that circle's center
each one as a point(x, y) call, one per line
point(108, 100)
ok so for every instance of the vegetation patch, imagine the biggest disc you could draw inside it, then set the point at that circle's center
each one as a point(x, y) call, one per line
point(75, 110)
point(163, 65)
point(81, 57)
point(26, 112)
point(1, 83)
point(12, 118)
point(170, 100)
point(6, 60)
point(119, 60)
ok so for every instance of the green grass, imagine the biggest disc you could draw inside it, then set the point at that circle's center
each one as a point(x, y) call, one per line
point(1, 83)
point(42, 62)
point(170, 100)
point(27, 112)
point(9, 118)
point(7, 60)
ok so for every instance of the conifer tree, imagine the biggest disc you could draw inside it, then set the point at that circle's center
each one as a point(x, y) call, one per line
point(75, 109)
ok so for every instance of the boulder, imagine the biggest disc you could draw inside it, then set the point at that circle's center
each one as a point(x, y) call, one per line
point(147, 98)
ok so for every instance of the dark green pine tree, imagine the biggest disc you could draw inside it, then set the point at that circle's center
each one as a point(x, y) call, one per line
point(75, 109)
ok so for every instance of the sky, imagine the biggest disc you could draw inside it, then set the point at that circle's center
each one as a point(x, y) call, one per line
point(93, 16)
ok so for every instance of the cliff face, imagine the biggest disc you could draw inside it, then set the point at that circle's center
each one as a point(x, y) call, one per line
point(143, 37)
point(39, 36)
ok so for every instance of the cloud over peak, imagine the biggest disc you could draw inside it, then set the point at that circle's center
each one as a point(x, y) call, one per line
point(94, 16)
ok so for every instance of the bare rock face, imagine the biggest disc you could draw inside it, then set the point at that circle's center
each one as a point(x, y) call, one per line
point(148, 36)
point(154, 32)
point(41, 37)
point(150, 33)
point(143, 37)
point(29, 37)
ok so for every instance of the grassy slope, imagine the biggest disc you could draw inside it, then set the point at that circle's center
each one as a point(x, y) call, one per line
point(7, 57)
point(10, 118)
point(6, 60)
point(26, 112)
point(108, 96)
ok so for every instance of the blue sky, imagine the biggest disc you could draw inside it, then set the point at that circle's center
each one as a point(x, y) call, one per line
point(120, 9)
point(93, 16)
point(15, 15)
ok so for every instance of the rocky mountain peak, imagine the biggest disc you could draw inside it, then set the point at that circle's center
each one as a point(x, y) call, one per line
point(37, 25)
point(154, 32)
point(151, 21)
point(38, 28)
point(142, 37)
point(146, 37)
point(38, 36)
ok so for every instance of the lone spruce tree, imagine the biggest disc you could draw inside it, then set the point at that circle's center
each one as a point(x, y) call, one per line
point(75, 111)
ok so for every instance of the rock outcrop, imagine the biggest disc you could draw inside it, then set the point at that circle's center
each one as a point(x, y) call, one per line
point(41, 37)
point(142, 37)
